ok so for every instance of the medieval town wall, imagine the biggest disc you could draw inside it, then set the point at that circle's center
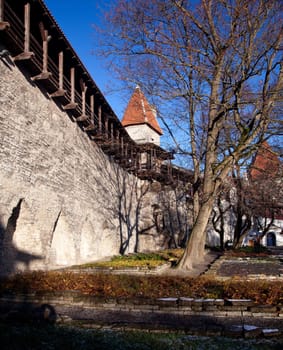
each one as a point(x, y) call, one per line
point(63, 201)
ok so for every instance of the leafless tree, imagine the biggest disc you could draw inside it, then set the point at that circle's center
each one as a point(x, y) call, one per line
point(218, 63)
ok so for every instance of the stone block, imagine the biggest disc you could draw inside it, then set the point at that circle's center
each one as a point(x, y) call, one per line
point(251, 331)
point(183, 301)
point(235, 331)
point(239, 302)
point(263, 308)
point(167, 302)
point(269, 332)
point(265, 314)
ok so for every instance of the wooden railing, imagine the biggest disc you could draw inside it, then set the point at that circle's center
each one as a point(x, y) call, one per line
point(65, 79)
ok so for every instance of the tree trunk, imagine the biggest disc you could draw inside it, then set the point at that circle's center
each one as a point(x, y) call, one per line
point(195, 250)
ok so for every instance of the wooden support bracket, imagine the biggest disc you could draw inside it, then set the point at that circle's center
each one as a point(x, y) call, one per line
point(82, 118)
point(23, 56)
point(41, 76)
point(72, 104)
point(90, 127)
point(27, 54)
point(3, 25)
point(60, 92)
point(44, 75)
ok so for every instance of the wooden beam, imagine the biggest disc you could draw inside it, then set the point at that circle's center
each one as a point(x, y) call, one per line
point(3, 25)
point(122, 145)
point(126, 150)
point(92, 107)
point(100, 119)
point(82, 118)
point(83, 89)
point(60, 92)
point(106, 122)
point(45, 39)
point(90, 127)
point(111, 132)
point(27, 54)
point(72, 104)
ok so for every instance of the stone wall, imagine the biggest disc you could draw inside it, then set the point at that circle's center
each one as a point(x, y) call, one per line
point(210, 317)
point(62, 200)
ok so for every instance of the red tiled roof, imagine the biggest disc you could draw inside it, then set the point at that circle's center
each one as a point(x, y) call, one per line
point(266, 162)
point(139, 112)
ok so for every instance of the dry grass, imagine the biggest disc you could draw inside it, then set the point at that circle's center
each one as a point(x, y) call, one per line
point(129, 286)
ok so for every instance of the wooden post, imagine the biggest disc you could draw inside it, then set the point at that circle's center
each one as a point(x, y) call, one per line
point(111, 132)
point(99, 120)
point(72, 84)
point(118, 136)
point(27, 54)
point(60, 92)
point(72, 104)
point(139, 158)
point(92, 107)
point(91, 126)
point(45, 51)
point(122, 145)
point(61, 70)
point(83, 116)
point(106, 122)
point(3, 25)
point(45, 38)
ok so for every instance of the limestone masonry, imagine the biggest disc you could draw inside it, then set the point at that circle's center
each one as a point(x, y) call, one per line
point(63, 199)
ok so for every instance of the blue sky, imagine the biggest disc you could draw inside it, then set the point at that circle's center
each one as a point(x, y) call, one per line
point(76, 18)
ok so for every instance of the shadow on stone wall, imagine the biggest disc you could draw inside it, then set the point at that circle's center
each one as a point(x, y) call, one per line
point(142, 210)
point(124, 209)
point(11, 258)
point(130, 201)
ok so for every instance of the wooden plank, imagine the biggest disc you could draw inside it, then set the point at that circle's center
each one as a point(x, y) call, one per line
point(27, 54)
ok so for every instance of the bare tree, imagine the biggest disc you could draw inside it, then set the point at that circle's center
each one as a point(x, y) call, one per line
point(216, 62)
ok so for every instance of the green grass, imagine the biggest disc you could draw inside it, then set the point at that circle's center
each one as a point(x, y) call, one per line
point(138, 260)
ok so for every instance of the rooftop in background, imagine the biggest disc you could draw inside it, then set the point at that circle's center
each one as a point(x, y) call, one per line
point(139, 112)
point(266, 162)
